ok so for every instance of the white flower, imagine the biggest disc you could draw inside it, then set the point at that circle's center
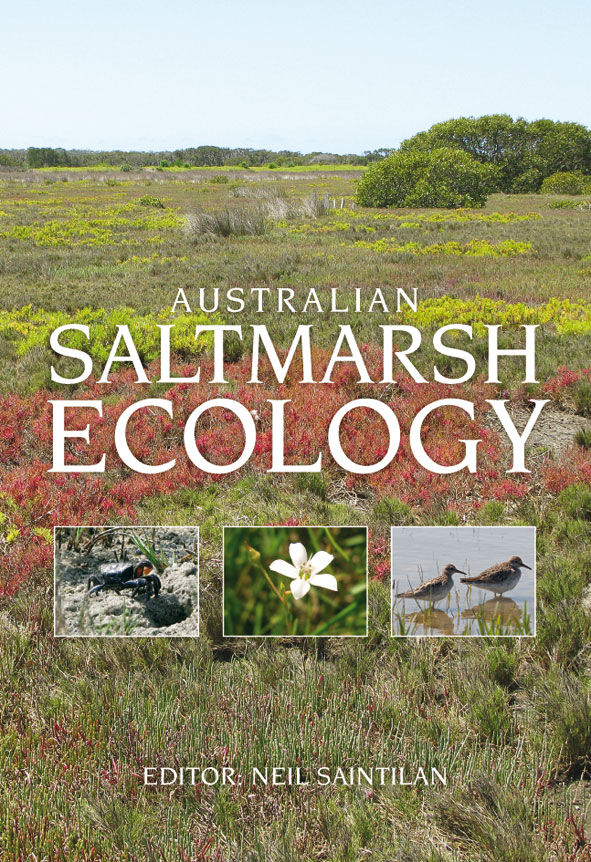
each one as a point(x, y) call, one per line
point(304, 572)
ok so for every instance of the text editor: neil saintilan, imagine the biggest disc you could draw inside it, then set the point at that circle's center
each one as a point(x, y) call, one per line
point(296, 776)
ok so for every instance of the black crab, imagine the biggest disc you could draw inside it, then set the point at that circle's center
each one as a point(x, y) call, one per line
point(136, 576)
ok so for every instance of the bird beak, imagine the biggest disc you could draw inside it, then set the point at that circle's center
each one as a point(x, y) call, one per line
point(459, 572)
point(526, 567)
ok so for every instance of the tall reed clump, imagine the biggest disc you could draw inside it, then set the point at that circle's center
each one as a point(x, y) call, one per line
point(239, 221)
point(280, 207)
point(254, 219)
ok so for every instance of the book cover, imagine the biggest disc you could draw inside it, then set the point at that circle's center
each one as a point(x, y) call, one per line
point(295, 459)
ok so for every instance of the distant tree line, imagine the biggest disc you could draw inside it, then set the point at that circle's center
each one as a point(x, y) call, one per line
point(523, 154)
point(204, 156)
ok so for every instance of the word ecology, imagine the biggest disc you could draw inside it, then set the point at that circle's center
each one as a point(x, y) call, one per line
point(346, 350)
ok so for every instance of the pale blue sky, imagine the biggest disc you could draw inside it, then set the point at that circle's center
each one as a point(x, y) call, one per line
point(323, 75)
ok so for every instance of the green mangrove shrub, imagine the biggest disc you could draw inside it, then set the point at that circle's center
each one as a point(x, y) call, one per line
point(444, 177)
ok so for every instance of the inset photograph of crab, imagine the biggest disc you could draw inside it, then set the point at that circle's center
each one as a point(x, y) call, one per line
point(295, 581)
point(126, 581)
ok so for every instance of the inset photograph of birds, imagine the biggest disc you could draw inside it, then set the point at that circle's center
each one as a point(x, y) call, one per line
point(463, 581)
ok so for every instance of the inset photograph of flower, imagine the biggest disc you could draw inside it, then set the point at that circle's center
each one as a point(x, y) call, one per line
point(463, 581)
point(295, 581)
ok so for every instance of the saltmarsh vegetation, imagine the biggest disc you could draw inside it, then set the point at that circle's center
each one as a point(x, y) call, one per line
point(29, 329)
point(509, 722)
point(474, 248)
point(111, 226)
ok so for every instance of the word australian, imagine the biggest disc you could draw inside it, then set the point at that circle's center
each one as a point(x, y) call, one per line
point(346, 350)
point(284, 299)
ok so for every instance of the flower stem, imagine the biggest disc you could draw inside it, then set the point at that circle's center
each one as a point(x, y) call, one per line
point(271, 584)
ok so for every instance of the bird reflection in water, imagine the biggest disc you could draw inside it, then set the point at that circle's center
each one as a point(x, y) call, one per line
point(432, 619)
point(506, 609)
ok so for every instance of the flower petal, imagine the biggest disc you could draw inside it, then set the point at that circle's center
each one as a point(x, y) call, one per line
point(329, 582)
point(282, 567)
point(320, 561)
point(298, 554)
point(299, 588)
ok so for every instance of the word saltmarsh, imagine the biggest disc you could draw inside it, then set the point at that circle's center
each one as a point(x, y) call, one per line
point(302, 345)
point(346, 350)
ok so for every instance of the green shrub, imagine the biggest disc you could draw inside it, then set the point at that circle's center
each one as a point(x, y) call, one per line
point(583, 398)
point(312, 483)
point(489, 713)
point(392, 511)
point(583, 438)
point(126, 168)
point(575, 501)
point(220, 179)
point(514, 147)
point(491, 512)
point(502, 666)
point(272, 166)
point(151, 201)
point(444, 177)
point(528, 181)
point(565, 183)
